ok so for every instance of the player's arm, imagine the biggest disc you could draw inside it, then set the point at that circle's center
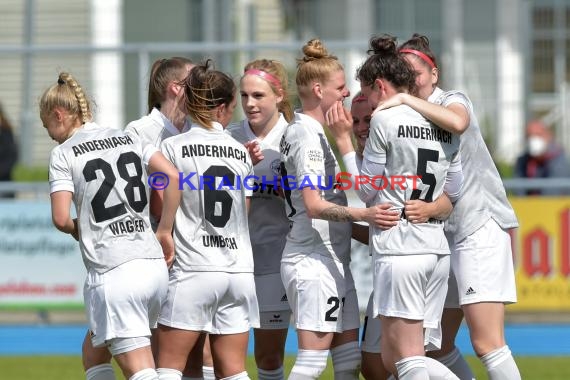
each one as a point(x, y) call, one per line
point(170, 203)
point(419, 211)
point(319, 208)
point(453, 117)
point(360, 232)
point(61, 218)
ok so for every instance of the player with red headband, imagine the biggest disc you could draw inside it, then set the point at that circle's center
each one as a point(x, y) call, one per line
point(477, 229)
point(265, 102)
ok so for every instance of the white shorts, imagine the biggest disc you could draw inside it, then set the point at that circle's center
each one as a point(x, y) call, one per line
point(483, 266)
point(215, 302)
point(274, 309)
point(372, 331)
point(125, 301)
point(321, 294)
point(411, 287)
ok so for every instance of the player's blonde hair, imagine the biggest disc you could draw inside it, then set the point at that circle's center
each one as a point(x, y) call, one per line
point(204, 90)
point(66, 93)
point(316, 65)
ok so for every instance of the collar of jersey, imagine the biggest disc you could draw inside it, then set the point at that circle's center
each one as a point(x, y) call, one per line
point(309, 121)
point(160, 119)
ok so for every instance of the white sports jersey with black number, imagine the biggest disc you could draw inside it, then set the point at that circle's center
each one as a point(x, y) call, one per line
point(308, 160)
point(103, 168)
point(211, 229)
point(154, 128)
point(417, 155)
point(483, 195)
point(268, 224)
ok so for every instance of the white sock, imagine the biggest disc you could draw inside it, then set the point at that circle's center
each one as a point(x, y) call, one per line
point(346, 360)
point(500, 365)
point(168, 374)
point(309, 364)
point(145, 374)
point(239, 376)
point(437, 371)
point(457, 364)
point(100, 372)
point(271, 374)
point(412, 368)
point(208, 373)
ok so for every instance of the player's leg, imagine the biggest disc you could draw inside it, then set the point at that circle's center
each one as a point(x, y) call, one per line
point(236, 313)
point(185, 314)
point(96, 361)
point(484, 270)
point(402, 344)
point(345, 352)
point(207, 360)
point(449, 355)
point(313, 294)
point(275, 317)
point(195, 362)
point(269, 349)
point(372, 367)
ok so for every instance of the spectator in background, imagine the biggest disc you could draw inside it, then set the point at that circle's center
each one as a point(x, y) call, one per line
point(8, 151)
point(543, 158)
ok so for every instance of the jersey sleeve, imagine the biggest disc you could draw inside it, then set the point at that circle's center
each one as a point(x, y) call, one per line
point(60, 177)
point(375, 149)
point(311, 162)
point(451, 97)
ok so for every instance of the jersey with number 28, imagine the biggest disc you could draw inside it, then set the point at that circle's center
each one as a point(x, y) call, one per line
point(211, 230)
point(105, 170)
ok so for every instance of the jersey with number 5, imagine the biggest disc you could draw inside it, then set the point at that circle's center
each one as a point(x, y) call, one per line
point(211, 230)
point(417, 155)
point(105, 171)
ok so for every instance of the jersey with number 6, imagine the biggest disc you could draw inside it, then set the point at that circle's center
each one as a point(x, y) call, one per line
point(105, 170)
point(417, 156)
point(268, 224)
point(211, 230)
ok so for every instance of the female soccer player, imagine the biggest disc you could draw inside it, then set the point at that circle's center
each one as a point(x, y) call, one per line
point(411, 261)
point(476, 237)
point(101, 171)
point(315, 264)
point(265, 102)
point(211, 285)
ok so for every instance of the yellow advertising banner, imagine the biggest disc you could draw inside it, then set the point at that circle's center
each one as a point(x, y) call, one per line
point(541, 250)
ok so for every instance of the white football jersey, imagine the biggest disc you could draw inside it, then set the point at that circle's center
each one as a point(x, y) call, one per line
point(268, 224)
point(308, 160)
point(483, 195)
point(154, 128)
point(211, 229)
point(417, 155)
point(105, 170)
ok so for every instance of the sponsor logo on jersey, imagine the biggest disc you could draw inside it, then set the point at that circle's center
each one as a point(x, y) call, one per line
point(284, 146)
point(275, 166)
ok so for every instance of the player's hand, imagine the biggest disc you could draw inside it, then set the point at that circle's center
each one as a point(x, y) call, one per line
point(393, 101)
point(417, 211)
point(383, 216)
point(255, 151)
point(167, 243)
point(339, 121)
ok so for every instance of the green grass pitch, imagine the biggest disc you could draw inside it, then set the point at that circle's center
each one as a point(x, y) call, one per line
point(69, 367)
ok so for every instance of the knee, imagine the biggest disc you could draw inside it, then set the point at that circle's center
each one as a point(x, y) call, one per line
point(484, 345)
point(373, 370)
point(269, 360)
